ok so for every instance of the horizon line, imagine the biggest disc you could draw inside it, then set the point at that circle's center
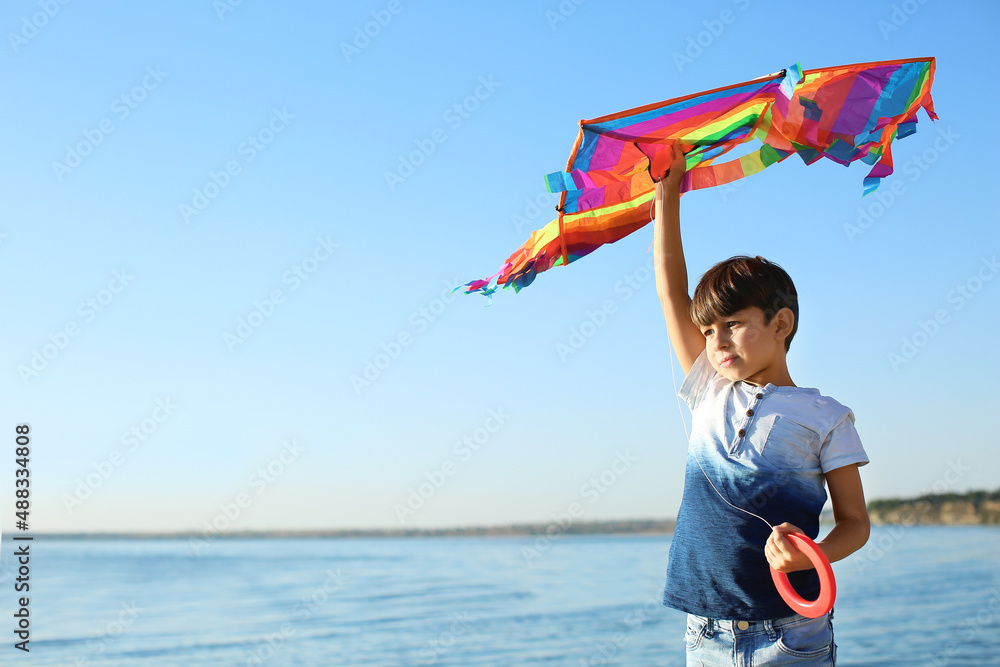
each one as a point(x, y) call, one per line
point(595, 527)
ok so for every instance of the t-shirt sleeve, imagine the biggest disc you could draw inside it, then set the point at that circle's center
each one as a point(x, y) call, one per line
point(842, 445)
point(696, 381)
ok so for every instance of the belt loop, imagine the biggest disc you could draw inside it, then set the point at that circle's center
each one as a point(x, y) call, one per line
point(710, 628)
point(772, 635)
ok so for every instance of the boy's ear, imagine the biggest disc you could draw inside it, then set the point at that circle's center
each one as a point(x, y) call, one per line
point(784, 321)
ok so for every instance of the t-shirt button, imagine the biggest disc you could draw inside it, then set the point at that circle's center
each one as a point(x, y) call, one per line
point(749, 413)
point(760, 395)
point(742, 625)
point(741, 433)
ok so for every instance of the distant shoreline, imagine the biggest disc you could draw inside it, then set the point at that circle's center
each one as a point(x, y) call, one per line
point(973, 508)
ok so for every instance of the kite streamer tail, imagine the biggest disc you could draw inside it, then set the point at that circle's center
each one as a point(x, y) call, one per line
point(485, 287)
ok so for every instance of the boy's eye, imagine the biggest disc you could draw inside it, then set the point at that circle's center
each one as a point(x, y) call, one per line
point(707, 332)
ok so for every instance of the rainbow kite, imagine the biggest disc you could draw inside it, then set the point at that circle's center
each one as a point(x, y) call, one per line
point(842, 113)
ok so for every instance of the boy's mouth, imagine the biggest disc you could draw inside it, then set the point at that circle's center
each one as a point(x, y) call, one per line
point(727, 362)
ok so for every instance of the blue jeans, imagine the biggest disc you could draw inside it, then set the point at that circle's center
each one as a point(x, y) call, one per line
point(793, 640)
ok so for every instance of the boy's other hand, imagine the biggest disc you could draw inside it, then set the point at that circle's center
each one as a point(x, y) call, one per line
point(782, 554)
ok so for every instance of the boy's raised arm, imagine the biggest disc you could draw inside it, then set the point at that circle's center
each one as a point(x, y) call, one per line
point(671, 271)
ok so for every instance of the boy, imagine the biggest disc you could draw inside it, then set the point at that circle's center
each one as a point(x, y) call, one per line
point(758, 442)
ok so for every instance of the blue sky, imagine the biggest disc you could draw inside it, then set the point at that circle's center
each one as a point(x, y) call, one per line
point(201, 248)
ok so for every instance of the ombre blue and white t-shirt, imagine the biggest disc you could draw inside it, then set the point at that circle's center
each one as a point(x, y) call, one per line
point(766, 449)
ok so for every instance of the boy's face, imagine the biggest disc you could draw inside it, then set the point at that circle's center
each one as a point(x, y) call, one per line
point(741, 347)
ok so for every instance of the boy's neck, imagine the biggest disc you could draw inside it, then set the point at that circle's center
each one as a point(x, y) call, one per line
point(776, 374)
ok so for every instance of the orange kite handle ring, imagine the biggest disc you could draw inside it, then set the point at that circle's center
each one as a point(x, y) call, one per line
point(827, 584)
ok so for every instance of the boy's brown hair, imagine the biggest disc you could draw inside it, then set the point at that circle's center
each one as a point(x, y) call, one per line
point(742, 282)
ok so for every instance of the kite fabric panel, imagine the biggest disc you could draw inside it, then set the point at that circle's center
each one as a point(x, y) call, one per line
point(843, 113)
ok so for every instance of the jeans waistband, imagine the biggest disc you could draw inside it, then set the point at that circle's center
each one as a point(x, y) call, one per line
point(768, 626)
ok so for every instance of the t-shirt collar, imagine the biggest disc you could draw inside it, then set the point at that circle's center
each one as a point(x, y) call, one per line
point(769, 388)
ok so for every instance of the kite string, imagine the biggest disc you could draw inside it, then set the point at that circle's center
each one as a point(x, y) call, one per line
point(687, 435)
point(691, 450)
